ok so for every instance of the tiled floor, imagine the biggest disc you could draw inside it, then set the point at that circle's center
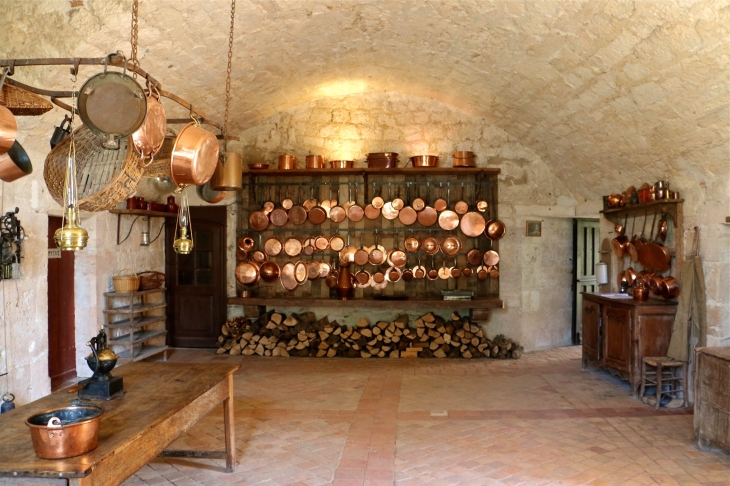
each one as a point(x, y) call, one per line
point(539, 420)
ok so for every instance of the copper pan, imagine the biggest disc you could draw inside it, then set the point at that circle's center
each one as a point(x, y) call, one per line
point(448, 219)
point(378, 279)
point(15, 163)
point(397, 258)
point(362, 279)
point(419, 271)
point(287, 279)
point(326, 204)
point(619, 228)
point(308, 247)
point(241, 256)
point(247, 273)
point(494, 272)
point(258, 256)
point(619, 245)
point(407, 275)
point(444, 272)
point(467, 271)
point(440, 204)
point(301, 273)
point(312, 201)
point(278, 217)
point(314, 162)
point(398, 202)
point(287, 162)
point(149, 137)
point(490, 258)
point(317, 215)
point(474, 256)
point(461, 207)
point(495, 229)
point(246, 243)
point(372, 210)
point(269, 272)
point(293, 247)
point(321, 243)
point(432, 273)
point(424, 160)
point(450, 246)
point(378, 202)
point(337, 212)
point(361, 256)
point(455, 270)
point(324, 269)
point(418, 204)
point(630, 274)
point(331, 279)
point(337, 244)
point(297, 213)
point(8, 129)
point(407, 214)
point(427, 217)
point(355, 212)
point(663, 228)
point(430, 245)
point(669, 288)
point(347, 254)
point(412, 244)
point(273, 247)
point(258, 221)
point(472, 224)
point(377, 253)
point(194, 156)
point(393, 274)
point(482, 272)
point(389, 211)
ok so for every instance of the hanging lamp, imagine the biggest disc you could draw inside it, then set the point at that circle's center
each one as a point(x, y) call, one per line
point(71, 236)
point(183, 243)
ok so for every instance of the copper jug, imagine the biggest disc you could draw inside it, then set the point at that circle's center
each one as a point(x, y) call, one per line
point(345, 288)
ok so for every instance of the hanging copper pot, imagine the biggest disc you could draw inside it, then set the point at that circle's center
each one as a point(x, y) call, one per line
point(194, 156)
point(362, 279)
point(467, 271)
point(361, 256)
point(228, 175)
point(246, 243)
point(331, 279)
point(482, 272)
point(149, 137)
point(241, 256)
point(297, 213)
point(461, 207)
point(419, 271)
point(424, 160)
point(337, 212)
point(440, 204)
point(377, 253)
point(324, 269)
point(355, 212)
point(393, 274)
point(494, 273)
point(495, 229)
point(418, 204)
point(258, 221)
point(8, 129)
point(247, 273)
point(15, 163)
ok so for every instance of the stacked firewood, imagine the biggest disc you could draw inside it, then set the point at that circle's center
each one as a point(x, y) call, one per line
point(275, 334)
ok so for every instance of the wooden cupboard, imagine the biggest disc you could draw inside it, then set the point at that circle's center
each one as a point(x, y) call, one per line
point(712, 398)
point(618, 332)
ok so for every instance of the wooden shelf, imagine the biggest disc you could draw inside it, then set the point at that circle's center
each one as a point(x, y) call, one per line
point(129, 294)
point(668, 206)
point(364, 170)
point(409, 304)
point(137, 337)
point(135, 309)
point(142, 212)
point(145, 352)
point(136, 322)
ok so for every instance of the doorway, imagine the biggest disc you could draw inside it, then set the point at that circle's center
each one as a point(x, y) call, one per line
point(586, 244)
point(196, 283)
point(61, 312)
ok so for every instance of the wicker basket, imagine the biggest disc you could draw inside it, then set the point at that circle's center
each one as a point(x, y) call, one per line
point(151, 280)
point(160, 166)
point(104, 178)
point(23, 103)
point(125, 283)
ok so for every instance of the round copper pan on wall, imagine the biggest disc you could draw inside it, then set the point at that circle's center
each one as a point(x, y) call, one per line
point(491, 258)
point(300, 272)
point(297, 214)
point(347, 254)
point(472, 224)
point(494, 272)
point(269, 272)
point(419, 271)
point(355, 212)
point(363, 279)
point(455, 272)
point(287, 277)
point(317, 215)
point(430, 245)
point(407, 275)
point(482, 272)
point(258, 221)
point(308, 247)
point(474, 256)
point(412, 244)
point(324, 269)
point(241, 256)
point(273, 247)
point(427, 217)
point(495, 229)
point(432, 274)
point(247, 273)
point(450, 246)
point(362, 257)
point(292, 247)
point(461, 207)
point(337, 244)
point(246, 243)
point(378, 277)
point(331, 279)
point(278, 217)
point(371, 212)
point(287, 203)
point(393, 274)
point(321, 243)
point(467, 271)
point(444, 272)
point(418, 204)
point(377, 255)
point(448, 220)
point(482, 206)
point(258, 256)
point(396, 258)
point(408, 216)
point(268, 207)
point(389, 212)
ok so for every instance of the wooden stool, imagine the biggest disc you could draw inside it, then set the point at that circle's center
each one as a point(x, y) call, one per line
point(665, 372)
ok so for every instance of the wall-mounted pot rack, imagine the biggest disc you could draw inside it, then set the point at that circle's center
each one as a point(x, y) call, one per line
point(111, 60)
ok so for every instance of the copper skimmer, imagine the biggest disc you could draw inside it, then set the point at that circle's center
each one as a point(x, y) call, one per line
point(372, 212)
point(407, 214)
point(355, 212)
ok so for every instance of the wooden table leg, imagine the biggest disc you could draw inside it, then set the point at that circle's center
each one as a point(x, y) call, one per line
point(230, 428)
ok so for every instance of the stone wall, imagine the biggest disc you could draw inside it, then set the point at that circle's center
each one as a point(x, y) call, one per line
point(533, 270)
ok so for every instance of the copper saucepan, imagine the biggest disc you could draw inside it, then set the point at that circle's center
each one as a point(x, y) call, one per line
point(314, 162)
point(278, 216)
point(247, 273)
point(287, 162)
point(424, 160)
point(418, 204)
point(495, 229)
point(461, 207)
point(482, 272)
point(430, 245)
point(337, 213)
point(8, 129)
point(298, 214)
point(412, 244)
point(337, 243)
point(377, 253)
point(270, 272)
point(194, 156)
point(321, 243)
point(372, 210)
point(427, 216)
point(389, 211)
point(362, 256)
point(408, 215)
point(440, 204)
point(317, 214)
point(419, 271)
point(355, 212)
point(149, 137)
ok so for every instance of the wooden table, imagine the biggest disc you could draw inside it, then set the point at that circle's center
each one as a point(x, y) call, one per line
point(162, 401)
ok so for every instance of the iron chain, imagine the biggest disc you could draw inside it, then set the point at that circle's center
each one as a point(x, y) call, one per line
point(134, 39)
point(228, 73)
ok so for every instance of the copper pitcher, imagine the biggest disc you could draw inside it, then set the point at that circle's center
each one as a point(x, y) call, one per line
point(345, 287)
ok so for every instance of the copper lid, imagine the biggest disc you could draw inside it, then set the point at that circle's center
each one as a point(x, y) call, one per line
point(258, 221)
point(448, 220)
point(428, 216)
point(278, 217)
point(292, 247)
point(272, 247)
point(408, 216)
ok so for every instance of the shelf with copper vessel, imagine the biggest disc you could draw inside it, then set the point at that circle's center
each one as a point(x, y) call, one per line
point(369, 171)
point(365, 303)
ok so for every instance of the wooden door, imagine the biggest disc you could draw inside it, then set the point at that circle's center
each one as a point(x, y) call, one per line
point(196, 283)
point(592, 329)
point(61, 315)
point(586, 244)
point(617, 338)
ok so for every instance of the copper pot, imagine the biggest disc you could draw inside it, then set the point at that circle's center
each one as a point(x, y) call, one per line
point(149, 137)
point(331, 279)
point(269, 272)
point(247, 273)
point(228, 175)
point(620, 246)
point(424, 160)
point(641, 293)
point(194, 156)
point(65, 432)
point(287, 162)
point(342, 164)
point(669, 288)
point(495, 229)
point(314, 162)
point(464, 159)
point(246, 243)
point(345, 287)
point(616, 200)
point(8, 129)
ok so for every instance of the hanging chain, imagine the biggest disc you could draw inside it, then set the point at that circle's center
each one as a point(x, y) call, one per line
point(133, 40)
point(228, 74)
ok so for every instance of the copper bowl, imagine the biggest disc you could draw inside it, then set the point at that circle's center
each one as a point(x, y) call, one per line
point(287, 162)
point(314, 162)
point(495, 229)
point(75, 431)
point(342, 164)
point(425, 160)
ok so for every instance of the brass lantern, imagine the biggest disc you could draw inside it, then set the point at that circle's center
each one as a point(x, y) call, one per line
point(183, 243)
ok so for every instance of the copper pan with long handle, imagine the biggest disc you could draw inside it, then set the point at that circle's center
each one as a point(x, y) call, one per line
point(407, 214)
point(298, 214)
point(355, 212)
point(316, 213)
point(461, 207)
point(279, 215)
point(371, 211)
point(194, 156)
point(448, 219)
point(427, 216)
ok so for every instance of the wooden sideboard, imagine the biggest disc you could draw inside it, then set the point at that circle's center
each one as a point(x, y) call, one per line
point(619, 331)
point(712, 398)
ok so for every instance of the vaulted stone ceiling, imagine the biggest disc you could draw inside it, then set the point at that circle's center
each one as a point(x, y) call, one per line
point(596, 88)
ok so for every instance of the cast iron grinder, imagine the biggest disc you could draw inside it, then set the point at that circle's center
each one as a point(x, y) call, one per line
point(102, 385)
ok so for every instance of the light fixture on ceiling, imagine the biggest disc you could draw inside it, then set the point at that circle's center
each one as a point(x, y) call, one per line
point(71, 236)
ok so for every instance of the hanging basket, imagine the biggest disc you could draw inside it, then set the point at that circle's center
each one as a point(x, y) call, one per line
point(160, 166)
point(125, 283)
point(23, 103)
point(104, 178)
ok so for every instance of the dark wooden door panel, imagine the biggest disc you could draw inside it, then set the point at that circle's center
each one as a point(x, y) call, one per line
point(61, 315)
point(617, 338)
point(196, 289)
point(591, 329)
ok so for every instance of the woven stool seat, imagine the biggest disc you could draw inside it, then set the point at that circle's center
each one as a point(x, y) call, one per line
point(664, 361)
point(665, 373)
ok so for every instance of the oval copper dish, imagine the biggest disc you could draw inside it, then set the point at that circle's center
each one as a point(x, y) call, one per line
point(412, 244)
point(491, 258)
point(258, 221)
point(408, 216)
point(278, 217)
point(448, 220)
point(473, 224)
point(273, 247)
point(287, 277)
point(247, 273)
point(246, 243)
point(467, 271)
point(337, 244)
point(269, 272)
point(430, 245)
point(450, 246)
point(292, 247)
point(258, 166)
point(427, 217)
point(495, 229)
point(321, 243)
point(301, 273)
